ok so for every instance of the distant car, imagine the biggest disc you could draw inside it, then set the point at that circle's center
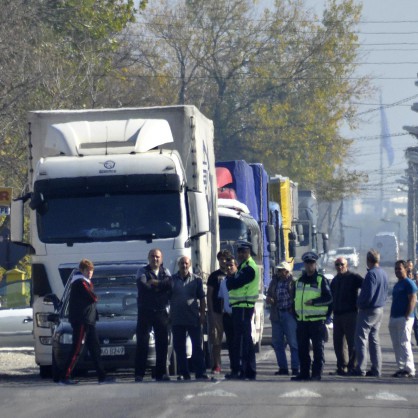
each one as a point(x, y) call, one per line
point(349, 253)
point(116, 289)
point(16, 316)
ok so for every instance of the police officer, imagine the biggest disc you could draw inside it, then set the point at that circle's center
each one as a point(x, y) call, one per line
point(312, 298)
point(243, 290)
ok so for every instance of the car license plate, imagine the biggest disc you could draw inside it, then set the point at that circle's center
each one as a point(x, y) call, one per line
point(113, 351)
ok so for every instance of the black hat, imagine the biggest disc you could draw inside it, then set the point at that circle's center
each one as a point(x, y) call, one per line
point(244, 244)
point(309, 256)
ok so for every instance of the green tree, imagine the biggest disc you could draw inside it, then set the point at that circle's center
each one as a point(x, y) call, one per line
point(278, 85)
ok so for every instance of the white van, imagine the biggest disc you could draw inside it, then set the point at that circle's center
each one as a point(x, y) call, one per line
point(387, 245)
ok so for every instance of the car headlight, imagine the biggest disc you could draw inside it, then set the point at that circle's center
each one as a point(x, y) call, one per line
point(66, 338)
point(134, 338)
point(42, 320)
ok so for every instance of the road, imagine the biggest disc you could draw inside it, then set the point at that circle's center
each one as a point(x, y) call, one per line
point(26, 395)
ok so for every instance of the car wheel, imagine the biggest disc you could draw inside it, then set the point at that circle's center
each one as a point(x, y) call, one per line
point(45, 372)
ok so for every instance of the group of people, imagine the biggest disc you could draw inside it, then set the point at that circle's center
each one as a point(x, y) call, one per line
point(177, 304)
point(300, 308)
point(299, 311)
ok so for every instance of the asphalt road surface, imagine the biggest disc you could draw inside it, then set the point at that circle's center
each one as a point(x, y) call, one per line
point(24, 394)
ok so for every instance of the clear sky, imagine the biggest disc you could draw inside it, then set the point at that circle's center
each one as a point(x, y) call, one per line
point(388, 35)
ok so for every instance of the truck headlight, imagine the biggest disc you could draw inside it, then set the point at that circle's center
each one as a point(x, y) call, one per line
point(42, 320)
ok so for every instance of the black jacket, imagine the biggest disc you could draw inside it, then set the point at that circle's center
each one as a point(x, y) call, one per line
point(149, 297)
point(82, 302)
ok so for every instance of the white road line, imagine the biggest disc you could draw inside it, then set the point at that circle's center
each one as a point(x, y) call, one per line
point(301, 393)
point(214, 393)
point(386, 396)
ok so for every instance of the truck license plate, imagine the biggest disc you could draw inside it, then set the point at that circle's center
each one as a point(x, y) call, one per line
point(113, 351)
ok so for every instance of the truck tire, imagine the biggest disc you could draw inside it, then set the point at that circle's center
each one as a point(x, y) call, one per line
point(45, 372)
point(172, 368)
point(55, 370)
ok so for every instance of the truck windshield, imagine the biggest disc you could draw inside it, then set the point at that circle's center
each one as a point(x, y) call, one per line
point(232, 229)
point(110, 217)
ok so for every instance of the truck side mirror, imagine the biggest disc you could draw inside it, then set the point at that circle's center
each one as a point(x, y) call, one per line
point(292, 248)
point(271, 233)
point(325, 242)
point(200, 216)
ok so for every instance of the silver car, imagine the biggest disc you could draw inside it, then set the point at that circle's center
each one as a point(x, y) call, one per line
point(16, 317)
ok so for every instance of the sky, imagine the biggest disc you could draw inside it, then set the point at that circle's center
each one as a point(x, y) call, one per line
point(388, 34)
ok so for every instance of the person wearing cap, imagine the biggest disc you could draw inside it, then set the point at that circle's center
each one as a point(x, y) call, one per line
point(243, 291)
point(345, 287)
point(281, 295)
point(312, 299)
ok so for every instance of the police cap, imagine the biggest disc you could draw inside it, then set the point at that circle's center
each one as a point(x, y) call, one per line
point(244, 245)
point(309, 256)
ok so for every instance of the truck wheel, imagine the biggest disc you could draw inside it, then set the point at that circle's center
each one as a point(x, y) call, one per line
point(45, 372)
point(172, 368)
point(55, 370)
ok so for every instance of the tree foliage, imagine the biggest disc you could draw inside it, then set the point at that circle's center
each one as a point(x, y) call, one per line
point(278, 84)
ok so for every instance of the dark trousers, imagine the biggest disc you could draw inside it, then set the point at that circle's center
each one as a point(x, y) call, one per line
point(91, 340)
point(243, 357)
point(158, 321)
point(179, 342)
point(344, 343)
point(306, 332)
point(229, 334)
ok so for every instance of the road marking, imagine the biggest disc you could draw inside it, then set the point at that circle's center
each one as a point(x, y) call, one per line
point(218, 392)
point(386, 396)
point(301, 393)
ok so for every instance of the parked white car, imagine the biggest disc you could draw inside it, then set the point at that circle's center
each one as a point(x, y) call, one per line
point(349, 253)
point(16, 317)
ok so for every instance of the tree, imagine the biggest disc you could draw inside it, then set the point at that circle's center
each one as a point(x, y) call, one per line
point(62, 61)
point(278, 85)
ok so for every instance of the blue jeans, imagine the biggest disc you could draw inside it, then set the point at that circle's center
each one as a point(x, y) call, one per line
point(179, 343)
point(284, 332)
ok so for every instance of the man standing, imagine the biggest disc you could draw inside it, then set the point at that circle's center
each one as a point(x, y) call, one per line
point(232, 268)
point(154, 287)
point(345, 288)
point(281, 295)
point(404, 298)
point(243, 289)
point(312, 298)
point(215, 322)
point(82, 314)
point(187, 317)
point(371, 300)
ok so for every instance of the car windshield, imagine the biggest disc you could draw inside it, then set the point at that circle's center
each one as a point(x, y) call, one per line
point(346, 251)
point(117, 296)
point(15, 295)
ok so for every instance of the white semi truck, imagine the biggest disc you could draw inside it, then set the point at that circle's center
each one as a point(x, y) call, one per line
point(109, 185)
